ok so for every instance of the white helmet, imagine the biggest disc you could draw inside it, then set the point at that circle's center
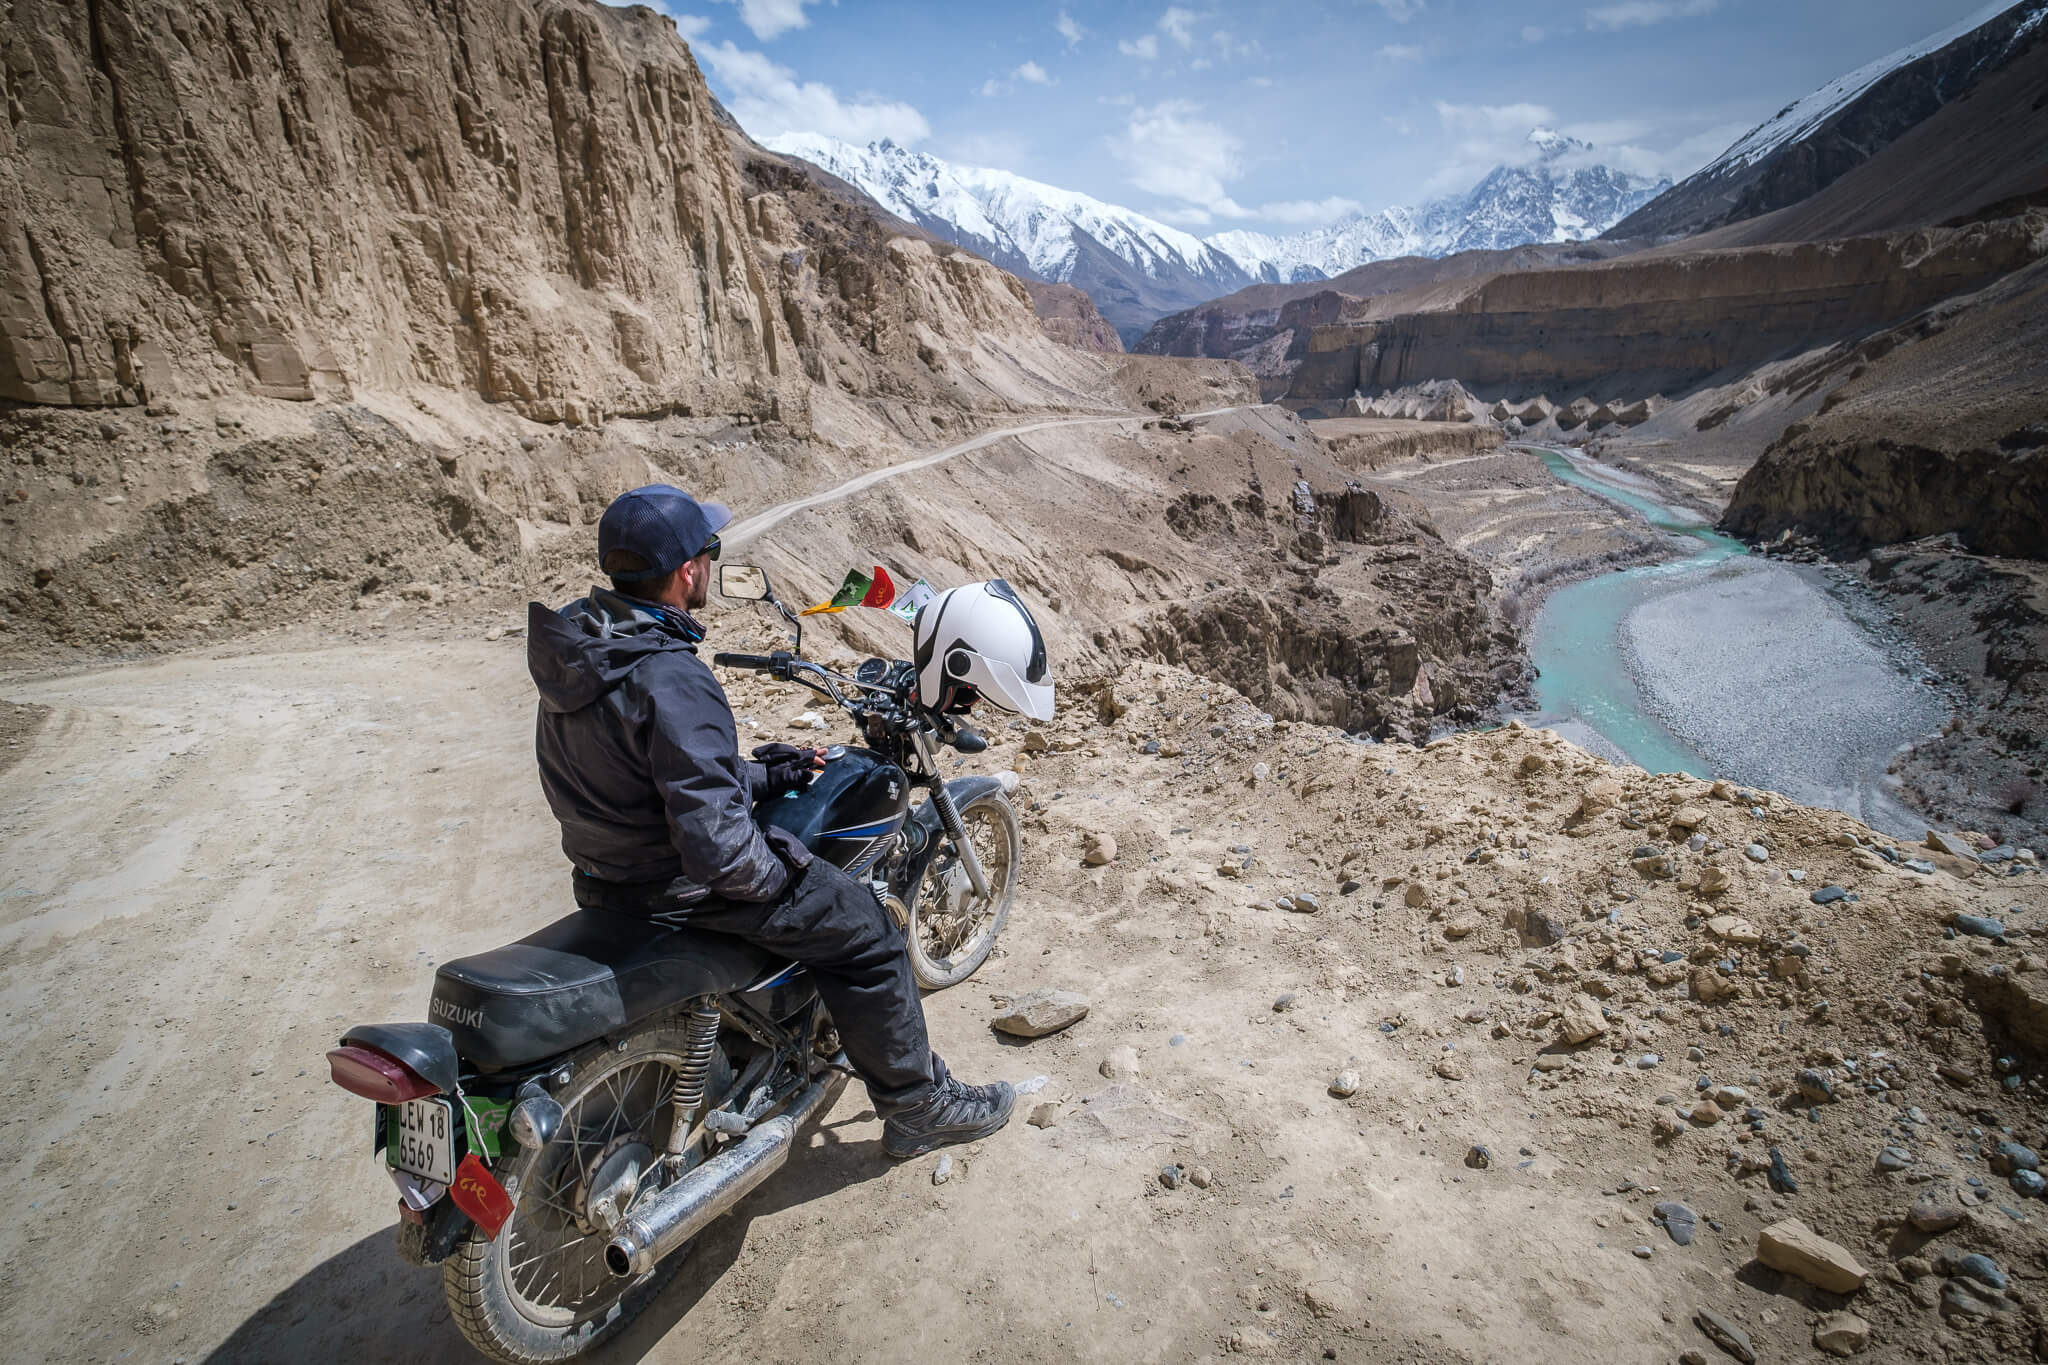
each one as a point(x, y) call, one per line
point(980, 641)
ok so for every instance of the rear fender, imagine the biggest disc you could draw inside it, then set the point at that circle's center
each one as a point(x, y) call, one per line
point(433, 1240)
point(926, 818)
point(428, 1049)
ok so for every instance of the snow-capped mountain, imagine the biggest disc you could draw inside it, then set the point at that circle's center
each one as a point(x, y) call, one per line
point(1138, 269)
point(1135, 268)
point(1558, 196)
point(1820, 137)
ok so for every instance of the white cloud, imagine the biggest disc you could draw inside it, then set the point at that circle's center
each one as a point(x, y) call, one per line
point(1643, 13)
point(1185, 217)
point(1068, 29)
point(772, 18)
point(1176, 154)
point(1031, 73)
point(1532, 34)
point(1302, 211)
point(1144, 49)
point(1401, 11)
point(691, 26)
point(1484, 136)
point(1263, 82)
point(1228, 47)
point(768, 99)
point(1402, 52)
point(1178, 24)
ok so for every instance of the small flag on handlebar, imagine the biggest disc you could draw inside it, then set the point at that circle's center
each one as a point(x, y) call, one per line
point(849, 595)
point(912, 601)
point(882, 593)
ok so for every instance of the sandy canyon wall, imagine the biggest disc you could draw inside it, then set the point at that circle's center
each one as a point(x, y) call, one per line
point(531, 200)
point(1652, 323)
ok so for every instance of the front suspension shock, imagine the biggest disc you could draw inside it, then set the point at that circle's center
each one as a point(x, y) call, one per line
point(956, 830)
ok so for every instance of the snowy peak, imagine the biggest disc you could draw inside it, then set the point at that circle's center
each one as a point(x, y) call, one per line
point(1544, 200)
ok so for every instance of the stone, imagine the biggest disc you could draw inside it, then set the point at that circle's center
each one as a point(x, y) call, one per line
point(1973, 1266)
point(1687, 817)
point(1477, 1157)
point(2028, 1184)
point(1814, 1087)
point(1534, 763)
point(1035, 742)
point(1200, 1178)
point(2008, 1157)
point(1461, 926)
point(1781, 1174)
point(1708, 985)
point(1678, 1220)
point(1283, 1002)
point(1602, 794)
point(1641, 1253)
point(1039, 1012)
point(943, 1171)
point(1725, 1335)
point(1734, 928)
point(1828, 895)
point(1979, 926)
point(1100, 848)
point(1120, 1065)
point(1798, 1250)
point(1966, 1299)
point(1729, 1097)
point(1705, 1113)
point(1581, 1021)
point(1935, 1213)
point(1171, 1176)
point(1757, 853)
point(1416, 896)
point(1303, 903)
point(1841, 1334)
point(1950, 844)
point(1044, 1114)
point(1344, 1085)
point(1894, 1159)
point(1450, 1068)
point(1714, 880)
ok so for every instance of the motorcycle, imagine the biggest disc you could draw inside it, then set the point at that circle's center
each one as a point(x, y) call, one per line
point(586, 1100)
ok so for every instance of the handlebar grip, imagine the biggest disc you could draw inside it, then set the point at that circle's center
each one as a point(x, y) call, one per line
point(754, 661)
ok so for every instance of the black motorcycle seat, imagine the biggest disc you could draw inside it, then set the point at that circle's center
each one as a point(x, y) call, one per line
point(586, 975)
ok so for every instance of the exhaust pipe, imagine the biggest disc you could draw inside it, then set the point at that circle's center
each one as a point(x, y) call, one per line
point(686, 1208)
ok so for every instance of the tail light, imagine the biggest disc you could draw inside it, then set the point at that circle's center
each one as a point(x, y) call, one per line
point(369, 1073)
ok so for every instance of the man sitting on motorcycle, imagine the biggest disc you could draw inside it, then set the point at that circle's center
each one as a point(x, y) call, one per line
point(639, 761)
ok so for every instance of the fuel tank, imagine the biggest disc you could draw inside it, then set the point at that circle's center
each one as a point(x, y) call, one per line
point(859, 798)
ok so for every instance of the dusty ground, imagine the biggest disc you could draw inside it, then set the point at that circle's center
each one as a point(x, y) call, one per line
point(212, 863)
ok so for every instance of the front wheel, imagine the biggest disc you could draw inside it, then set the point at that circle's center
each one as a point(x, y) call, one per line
point(952, 930)
point(541, 1292)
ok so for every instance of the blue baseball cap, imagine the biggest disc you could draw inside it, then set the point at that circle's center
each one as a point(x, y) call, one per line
point(661, 524)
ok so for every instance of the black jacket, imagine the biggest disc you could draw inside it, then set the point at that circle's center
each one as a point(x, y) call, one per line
point(638, 753)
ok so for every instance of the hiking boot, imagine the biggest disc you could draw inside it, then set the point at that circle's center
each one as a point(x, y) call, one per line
point(954, 1113)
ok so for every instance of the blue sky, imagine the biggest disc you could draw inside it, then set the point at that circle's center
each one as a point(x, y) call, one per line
point(1279, 116)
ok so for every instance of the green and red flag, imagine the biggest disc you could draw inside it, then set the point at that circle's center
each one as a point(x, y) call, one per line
point(882, 593)
point(849, 595)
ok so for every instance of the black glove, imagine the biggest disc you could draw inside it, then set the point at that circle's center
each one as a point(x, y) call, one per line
point(787, 767)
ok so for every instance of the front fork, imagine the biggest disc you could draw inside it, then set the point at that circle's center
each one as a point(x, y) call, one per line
point(949, 819)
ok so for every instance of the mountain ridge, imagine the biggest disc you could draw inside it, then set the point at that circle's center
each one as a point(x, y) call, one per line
point(1138, 269)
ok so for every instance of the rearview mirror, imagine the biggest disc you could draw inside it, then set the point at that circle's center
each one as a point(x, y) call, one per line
point(743, 582)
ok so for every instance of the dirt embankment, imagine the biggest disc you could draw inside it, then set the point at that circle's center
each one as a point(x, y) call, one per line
point(1480, 954)
point(1070, 317)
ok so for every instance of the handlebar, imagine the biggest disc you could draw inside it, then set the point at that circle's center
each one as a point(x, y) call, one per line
point(758, 662)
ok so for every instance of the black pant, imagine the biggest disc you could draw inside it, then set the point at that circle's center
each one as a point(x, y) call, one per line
point(854, 952)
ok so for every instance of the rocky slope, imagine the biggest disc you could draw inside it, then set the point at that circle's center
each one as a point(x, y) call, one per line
point(1650, 323)
point(1817, 139)
point(391, 277)
point(1265, 327)
point(1071, 317)
point(1941, 428)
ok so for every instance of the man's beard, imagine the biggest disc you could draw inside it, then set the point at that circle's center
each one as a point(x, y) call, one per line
point(700, 594)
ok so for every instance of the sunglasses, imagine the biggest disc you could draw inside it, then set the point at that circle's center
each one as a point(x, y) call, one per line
point(711, 549)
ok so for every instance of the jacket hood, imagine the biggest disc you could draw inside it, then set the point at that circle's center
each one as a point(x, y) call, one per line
point(585, 649)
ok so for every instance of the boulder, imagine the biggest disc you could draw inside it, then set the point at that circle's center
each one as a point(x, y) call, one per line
point(1600, 794)
point(1537, 409)
point(1797, 1249)
point(1040, 1012)
point(1099, 848)
point(1714, 880)
point(1841, 1334)
point(1581, 1021)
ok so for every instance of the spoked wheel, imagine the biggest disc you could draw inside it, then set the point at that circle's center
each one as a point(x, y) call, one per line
point(540, 1291)
point(952, 930)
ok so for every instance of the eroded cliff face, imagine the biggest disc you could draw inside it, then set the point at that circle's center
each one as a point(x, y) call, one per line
point(532, 200)
point(1653, 322)
point(1940, 428)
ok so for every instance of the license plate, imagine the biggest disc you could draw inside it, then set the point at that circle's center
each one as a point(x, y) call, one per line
point(419, 1139)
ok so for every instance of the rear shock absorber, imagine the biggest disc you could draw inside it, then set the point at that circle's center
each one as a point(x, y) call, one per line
point(700, 1043)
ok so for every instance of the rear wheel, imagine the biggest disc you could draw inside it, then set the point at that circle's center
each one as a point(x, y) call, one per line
point(952, 930)
point(540, 1291)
